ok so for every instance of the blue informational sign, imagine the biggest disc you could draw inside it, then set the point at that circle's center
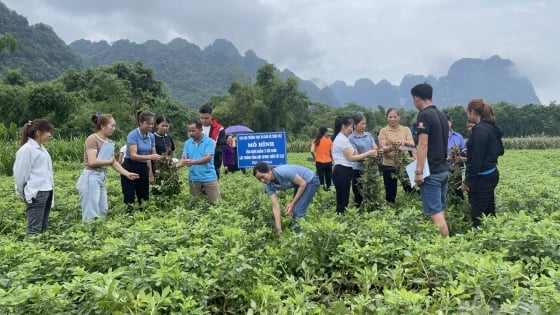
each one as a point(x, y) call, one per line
point(269, 147)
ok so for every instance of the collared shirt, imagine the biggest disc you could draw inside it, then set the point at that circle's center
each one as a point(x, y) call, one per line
point(361, 143)
point(33, 170)
point(340, 144)
point(164, 143)
point(144, 143)
point(200, 173)
point(393, 135)
point(455, 140)
point(285, 176)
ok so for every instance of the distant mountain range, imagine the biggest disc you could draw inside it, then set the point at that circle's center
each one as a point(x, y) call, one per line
point(194, 74)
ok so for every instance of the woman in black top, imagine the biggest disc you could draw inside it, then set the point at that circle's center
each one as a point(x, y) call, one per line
point(483, 148)
point(164, 142)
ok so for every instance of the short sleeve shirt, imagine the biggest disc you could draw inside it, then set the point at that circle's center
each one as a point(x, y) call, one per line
point(340, 144)
point(93, 143)
point(362, 144)
point(201, 173)
point(144, 143)
point(434, 123)
point(393, 135)
point(285, 175)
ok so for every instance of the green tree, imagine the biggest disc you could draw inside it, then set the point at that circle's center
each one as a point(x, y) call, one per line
point(8, 41)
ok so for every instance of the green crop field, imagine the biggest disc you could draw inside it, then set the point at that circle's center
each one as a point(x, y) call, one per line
point(191, 258)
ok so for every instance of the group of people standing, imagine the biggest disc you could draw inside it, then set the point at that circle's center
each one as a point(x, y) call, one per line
point(351, 145)
point(33, 173)
point(339, 158)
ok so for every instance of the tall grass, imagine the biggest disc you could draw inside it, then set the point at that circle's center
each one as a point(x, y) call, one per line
point(532, 143)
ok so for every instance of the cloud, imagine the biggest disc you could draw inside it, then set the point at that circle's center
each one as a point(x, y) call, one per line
point(332, 40)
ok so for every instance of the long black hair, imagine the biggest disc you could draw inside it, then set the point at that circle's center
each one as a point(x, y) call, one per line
point(320, 134)
point(339, 122)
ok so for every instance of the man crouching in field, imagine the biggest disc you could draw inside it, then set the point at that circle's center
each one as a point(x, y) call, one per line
point(283, 177)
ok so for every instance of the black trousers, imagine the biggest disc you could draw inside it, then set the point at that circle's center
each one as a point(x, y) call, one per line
point(217, 163)
point(390, 183)
point(358, 198)
point(481, 196)
point(139, 188)
point(342, 180)
point(324, 171)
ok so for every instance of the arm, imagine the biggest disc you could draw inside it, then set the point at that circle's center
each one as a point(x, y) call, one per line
point(276, 213)
point(421, 155)
point(350, 156)
point(312, 149)
point(221, 141)
point(118, 167)
point(188, 162)
point(22, 171)
point(301, 184)
point(94, 162)
point(479, 142)
point(149, 163)
point(133, 149)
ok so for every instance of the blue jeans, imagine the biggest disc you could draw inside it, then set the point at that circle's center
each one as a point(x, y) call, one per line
point(93, 194)
point(433, 192)
point(300, 208)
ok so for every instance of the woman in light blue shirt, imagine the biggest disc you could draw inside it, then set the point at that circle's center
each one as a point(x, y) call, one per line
point(33, 174)
point(141, 150)
point(362, 141)
point(303, 180)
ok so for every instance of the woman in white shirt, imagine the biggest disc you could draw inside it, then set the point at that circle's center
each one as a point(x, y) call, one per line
point(343, 154)
point(33, 174)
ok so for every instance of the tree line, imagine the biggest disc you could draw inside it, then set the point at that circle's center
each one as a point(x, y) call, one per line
point(268, 104)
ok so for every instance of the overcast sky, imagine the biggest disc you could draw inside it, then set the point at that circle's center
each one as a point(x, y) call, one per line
point(332, 39)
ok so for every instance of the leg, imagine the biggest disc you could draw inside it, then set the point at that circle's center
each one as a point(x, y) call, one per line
point(300, 208)
point(433, 192)
point(90, 193)
point(328, 175)
point(342, 178)
point(143, 183)
point(47, 214)
point(358, 198)
point(212, 190)
point(439, 220)
point(103, 203)
point(36, 211)
point(128, 186)
point(217, 163)
point(320, 172)
point(196, 190)
point(481, 197)
point(390, 184)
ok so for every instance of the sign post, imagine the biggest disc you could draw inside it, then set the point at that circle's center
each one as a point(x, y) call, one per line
point(269, 147)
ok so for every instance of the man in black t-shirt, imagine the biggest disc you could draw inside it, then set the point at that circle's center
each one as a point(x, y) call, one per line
point(432, 131)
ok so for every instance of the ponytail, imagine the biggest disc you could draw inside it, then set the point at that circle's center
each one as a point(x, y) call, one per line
point(30, 129)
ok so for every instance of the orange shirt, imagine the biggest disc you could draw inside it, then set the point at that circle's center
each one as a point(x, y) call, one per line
point(323, 150)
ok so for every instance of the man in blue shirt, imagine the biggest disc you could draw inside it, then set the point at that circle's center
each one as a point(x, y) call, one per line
point(283, 177)
point(198, 155)
point(456, 148)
